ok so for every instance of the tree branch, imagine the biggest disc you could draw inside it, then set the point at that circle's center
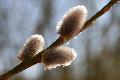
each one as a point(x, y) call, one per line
point(37, 59)
point(98, 14)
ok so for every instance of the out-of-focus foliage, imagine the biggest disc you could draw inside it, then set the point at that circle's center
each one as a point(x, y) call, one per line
point(98, 48)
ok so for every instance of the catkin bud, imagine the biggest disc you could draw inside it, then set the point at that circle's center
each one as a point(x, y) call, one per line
point(72, 22)
point(58, 56)
point(33, 45)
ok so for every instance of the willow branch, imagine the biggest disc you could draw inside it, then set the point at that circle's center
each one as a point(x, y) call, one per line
point(37, 59)
point(98, 14)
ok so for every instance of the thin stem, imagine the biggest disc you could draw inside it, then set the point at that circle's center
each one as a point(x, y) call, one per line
point(58, 42)
point(22, 66)
point(37, 59)
point(28, 63)
point(98, 14)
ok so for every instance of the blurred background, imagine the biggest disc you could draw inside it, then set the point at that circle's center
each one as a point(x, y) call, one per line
point(98, 47)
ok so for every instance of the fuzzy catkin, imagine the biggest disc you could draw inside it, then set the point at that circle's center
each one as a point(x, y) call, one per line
point(32, 46)
point(72, 22)
point(58, 56)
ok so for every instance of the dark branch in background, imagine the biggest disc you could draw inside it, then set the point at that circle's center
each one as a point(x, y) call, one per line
point(47, 15)
point(37, 59)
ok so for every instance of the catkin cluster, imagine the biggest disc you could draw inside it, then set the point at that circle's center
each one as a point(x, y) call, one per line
point(68, 27)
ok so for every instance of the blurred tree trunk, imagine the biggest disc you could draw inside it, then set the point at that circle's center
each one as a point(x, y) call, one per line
point(47, 9)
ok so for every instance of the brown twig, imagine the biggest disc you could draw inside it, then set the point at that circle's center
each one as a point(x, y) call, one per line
point(98, 14)
point(37, 59)
point(28, 63)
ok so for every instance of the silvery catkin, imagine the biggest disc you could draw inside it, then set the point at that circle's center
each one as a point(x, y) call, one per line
point(58, 56)
point(72, 22)
point(32, 46)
